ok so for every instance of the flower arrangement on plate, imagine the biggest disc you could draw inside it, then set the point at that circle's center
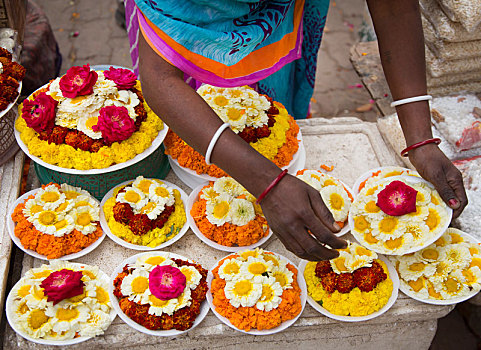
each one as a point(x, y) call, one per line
point(355, 284)
point(256, 291)
point(144, 213)
point(225, 213)
point(371, 176)
point(398, 215)
point(260, 121)
point(160, 292)
point(11, 75)
point(336, 195)
point(88, 120)
point(446, 272)
point(61, 303)
point(56, 221)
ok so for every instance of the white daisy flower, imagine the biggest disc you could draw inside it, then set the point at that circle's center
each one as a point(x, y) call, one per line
point(218, 211)
point(241, 212)
point(143, 184)
point(192, 275)
point(85, 219)
point(337, 201)
point(49, 197)
point(228, 185)
point(271, 295)
point(85, 124)
point(183, 300)
point(135, 285)
point(243, 292)
point(32, 208)
point(162, 194)
point(159, 307)
point(97, 324)
point(66, 319)
point(132, 196)
point(72, 192)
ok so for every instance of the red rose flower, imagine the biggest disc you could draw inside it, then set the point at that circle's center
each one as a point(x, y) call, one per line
point(397, 199)
point(166, 282)
point(115, 124)
point(123, 78)
point(39, 114)
point(78, 81)
point(63, 284)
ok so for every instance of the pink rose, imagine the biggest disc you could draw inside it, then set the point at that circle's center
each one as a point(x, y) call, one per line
point(39, 114)
point(397, 199)
point(63, 284)
point(78, 81)
point(123, 78)
point(115, 124)
point(166, 282)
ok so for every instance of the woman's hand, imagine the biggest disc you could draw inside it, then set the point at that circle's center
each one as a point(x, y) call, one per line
point(292, 208)
point(435, 167)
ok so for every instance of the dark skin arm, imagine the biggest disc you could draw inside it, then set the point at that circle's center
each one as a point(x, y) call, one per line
point(401, 45)
point(291, 208)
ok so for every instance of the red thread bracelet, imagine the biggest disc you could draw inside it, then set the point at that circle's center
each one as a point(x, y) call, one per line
point(405, 151)
point(271, 186)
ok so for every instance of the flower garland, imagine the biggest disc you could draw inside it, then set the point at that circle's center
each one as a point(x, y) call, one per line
point(103, 121)
point(261, 122)
point(354, 284)
point(336, 197)
point(11, 74)
point(161, 293)
point(61, 301)
point(58, 220)
point(256, 289)
point(448, 269)
point(146, 212)
point(387, 172)
point(396, 234)
point(228, 215)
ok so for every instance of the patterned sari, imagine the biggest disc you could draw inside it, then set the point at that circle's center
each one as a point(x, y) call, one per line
point(270, 44)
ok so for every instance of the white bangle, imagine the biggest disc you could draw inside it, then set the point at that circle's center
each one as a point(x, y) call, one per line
point(214, 141)
point(411, 99)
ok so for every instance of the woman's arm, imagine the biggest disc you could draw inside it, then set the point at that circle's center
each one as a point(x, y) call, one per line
point(291, 208)
point(401, 46)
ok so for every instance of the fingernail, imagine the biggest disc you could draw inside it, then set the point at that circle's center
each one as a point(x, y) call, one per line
point(336, 226)
point(453, 202)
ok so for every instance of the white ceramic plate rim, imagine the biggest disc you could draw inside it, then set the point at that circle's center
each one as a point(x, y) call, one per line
point(413, 179)
point(11, 231)
point(443, 302)
point(11, 104)
point(204, 308)
point(118, 240)
point(392, 299)
point(155, 144)
point(193, 197)
point(9, 303)
point(300, 281)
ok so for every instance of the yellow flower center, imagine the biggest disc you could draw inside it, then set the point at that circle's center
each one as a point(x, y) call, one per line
point(47, 217)
point(248, 253)
point(430, 254)
point(23, 291)
point(432, 220)
point(419, 197)
point(235, 93)
point(267, 293)
point(50, 197)
point(88, 274)
point(62, 207)
point(77, 99)
point(417, 267)
point(432, 292)
point(362, 251)
point(442, 268)
point(156, 301)
point(434, 200)
point(257, 268)
point(231, 268)
point(221, 101)
point(388, 224)
point(452, 285)
point(23, 308)
point(144, 185)
point(243, 288)
point(132, 196)
point(162, 192)
point(281, 278)
point(221, 209)
point(360, 223)
point(84, 219)
point(369, 238)
point(475, 262)
point(102, 295)
point(71, 194)
point(81, 204)
point(235, 114)
point(336, 201)
point(455, 238)
point(394, 243)
point(371, 191)
point(371, 207)
point(148, 208)
point(36, 209)
point(270, 257)
point(61, 224)
point(394, 173)
point(417, 285)
point(42, 274)
point(440, 242)
point(188, 274)
point(67, 314)
point(155, 260)
point(140, 285)
point(91, 122)
point(473, 250)
point(38, 318)
point(340, 264)
point(328, 182)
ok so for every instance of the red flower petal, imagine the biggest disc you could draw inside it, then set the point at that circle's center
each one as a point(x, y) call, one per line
point(166, 282)
point(63, 284)
point(397, 199)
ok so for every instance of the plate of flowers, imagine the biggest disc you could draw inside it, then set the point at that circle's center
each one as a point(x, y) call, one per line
point(160, 293)
point(257, 119)
point(398, 215)
point(376, 174)
point(253, 291)
point(445, 273)
point(60, 304)
point(226, 217)
point(336, 195)
point(144, 214)
point(100, 126)
point(356, 286)
point(56, 222)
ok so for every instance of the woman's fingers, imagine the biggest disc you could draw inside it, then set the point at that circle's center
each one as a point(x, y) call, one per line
point(455, 181)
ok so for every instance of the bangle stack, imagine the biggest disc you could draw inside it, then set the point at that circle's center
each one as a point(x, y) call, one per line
point(271, 186)
point(405, 151)
point(213, 141)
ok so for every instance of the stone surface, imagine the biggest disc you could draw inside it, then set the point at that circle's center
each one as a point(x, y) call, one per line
point(438, 67)
point(353, 147)
point(468, 13)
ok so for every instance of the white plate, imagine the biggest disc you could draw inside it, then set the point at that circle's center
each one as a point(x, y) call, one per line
point(155, 144)
point(10, 316)
point(453, 301)
point(10, 105)
point(118, 240)
point(204, 308)
point(192, 179)
point(16, 240)
point(369, 173)
point(302, 285)
point(193, 197)
point(412, 179)
point(392, 299)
